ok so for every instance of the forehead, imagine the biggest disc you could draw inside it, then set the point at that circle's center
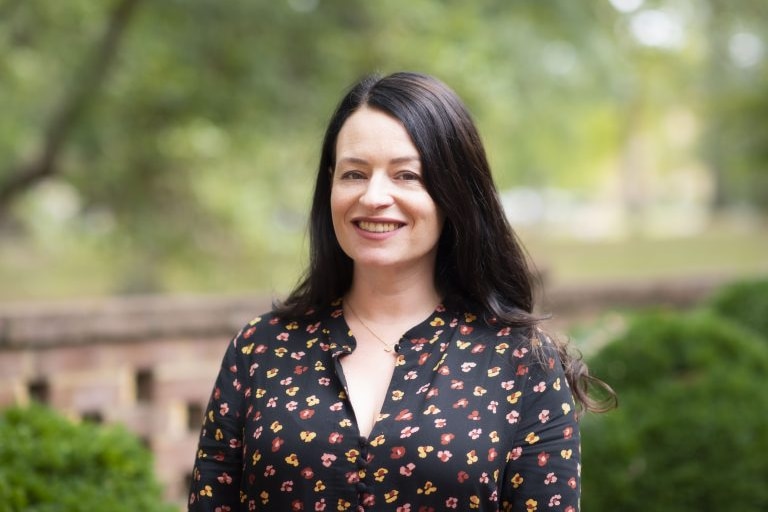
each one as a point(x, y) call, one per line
point(369, 132)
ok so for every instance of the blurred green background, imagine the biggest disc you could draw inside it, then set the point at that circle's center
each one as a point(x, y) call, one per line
point(169, 146)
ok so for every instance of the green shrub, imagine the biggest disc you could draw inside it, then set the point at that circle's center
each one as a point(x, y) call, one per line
point(690, 432)
point(744, 302)
point(52, 464)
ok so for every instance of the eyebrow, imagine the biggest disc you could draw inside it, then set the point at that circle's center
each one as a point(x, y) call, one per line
point(363, 161)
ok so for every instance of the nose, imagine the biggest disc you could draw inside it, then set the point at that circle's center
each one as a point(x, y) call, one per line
point(378, 192)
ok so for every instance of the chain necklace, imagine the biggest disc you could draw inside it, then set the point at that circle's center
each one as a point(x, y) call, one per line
point(387, 347)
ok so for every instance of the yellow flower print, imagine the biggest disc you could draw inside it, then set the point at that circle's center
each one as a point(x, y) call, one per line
point(247, 349)
point(319, 366)
point(207, 491)
point(532, 438)
point(256, 457)
point(479, 391)
point(494, 436)
point(566, 408)
point(292, 391)
point(397, 395)
point(514, 397)
point(469, 318)
point(424, 451)
point(307, 436)
point(276, 426)
point(319, 486)
point(254, 321)
point(292, 460)
point(311, 343)
point(219, 435)
point(428, 489)
point(501, 348)
point(557, 384)
point(292, 326)
point(437, 322)
point(378, 440)
point(391, 496)
point(346, 422)
point(472, 457)
point(272, 372)
point(281, 351)
point(463, 345)
point(531, 505)
point(494, 372)
point(343, 505)
point(517, 481)
point(312, 400)
point(474, 502)
point(566, 454)
point(380, 474)
point(264, 497)
point(352, 455)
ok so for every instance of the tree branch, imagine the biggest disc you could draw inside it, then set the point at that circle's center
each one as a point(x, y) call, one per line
point(84, 86)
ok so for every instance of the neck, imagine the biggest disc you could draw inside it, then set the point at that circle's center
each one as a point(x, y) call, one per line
point(392, 297)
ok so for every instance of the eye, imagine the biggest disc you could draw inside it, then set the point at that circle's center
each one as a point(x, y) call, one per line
point(408, 176)
point(352, 175)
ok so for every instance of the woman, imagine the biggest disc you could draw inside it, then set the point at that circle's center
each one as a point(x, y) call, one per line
point(406, 371)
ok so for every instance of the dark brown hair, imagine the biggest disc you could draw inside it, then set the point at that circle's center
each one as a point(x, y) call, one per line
point(480, 262)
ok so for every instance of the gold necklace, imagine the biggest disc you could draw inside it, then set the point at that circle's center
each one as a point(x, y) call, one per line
point(387, 347)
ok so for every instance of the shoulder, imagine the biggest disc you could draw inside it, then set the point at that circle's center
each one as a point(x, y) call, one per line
point(273, 325)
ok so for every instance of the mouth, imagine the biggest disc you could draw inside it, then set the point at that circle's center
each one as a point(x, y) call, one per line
point(378, 227)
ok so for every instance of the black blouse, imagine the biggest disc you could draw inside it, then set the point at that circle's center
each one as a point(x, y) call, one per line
point(473, 419)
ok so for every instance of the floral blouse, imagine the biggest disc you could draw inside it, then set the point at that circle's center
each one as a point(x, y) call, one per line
point(473, 419)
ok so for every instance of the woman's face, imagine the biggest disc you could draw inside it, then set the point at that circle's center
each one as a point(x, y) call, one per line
point(382, 214)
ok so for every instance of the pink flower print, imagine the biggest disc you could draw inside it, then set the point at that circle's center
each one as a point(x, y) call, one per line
point(504, 332)
point(475, 433)
point(224, 478)
point(554, 501)
point(440, 423)
point(467, 366)
point(283, 336)
point(484, 478)
point(328, 459)
point(291, 406)
point(572, 482)
point(335, 438)
point(224, 409)
point(457, 384)
point(320, 505)
point(513, 417)
point(324, 381)
point(540, 387)
point(307, 473)
point(269, 471)
point(516, 452)
point(444, 455)
point(451, 503)
point(272, 402)
point(461, 403)
point(544, 416)
point(492, 406)
point(407, 431)
point(287, 486)
point(336, 407)
point(407, 470)
point(520, 352)
point(411, 375)
point(298, 355)
point(508, 385)
point(313, 328)
point(397, 452)
point(550, 479)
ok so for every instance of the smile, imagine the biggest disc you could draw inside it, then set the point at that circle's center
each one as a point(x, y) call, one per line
point(378, 227)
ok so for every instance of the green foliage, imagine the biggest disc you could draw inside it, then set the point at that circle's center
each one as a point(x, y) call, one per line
point(690, 431)
point(50, 464)
point(744, 302)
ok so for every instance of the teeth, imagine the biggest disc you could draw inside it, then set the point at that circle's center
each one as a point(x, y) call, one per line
point(377, 227)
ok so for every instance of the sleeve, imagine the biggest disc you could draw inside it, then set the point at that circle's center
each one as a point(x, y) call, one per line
point(544, 471)
point(218, 460)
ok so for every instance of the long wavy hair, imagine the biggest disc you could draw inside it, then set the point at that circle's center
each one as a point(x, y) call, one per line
point(480, 262)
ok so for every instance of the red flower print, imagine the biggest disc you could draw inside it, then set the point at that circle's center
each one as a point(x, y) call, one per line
point(516, 452)
point(572, 482)
point(568, 432)
point(446, 438)
point(397, 452)
point(465, 329)
point(522, 369)
point(277, 443)
point(305, 414)
point(462, 477)
point(405, 414)
point(307, 473)
point(542, 459)
point(474, 416)
point(492, 454)
point(287, 486)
